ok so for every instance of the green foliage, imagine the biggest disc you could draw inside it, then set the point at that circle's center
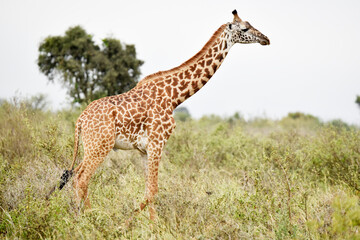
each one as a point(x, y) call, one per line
point(346, 217)
point(337, 123)
point(340, 218)
point(182, 114)
point(335, 156)
point(87, 70)
point(218, 179)
point(357, 101)
point(300, 115)
point(300, 120)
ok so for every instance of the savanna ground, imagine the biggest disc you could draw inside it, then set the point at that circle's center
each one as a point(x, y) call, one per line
point(220, 178)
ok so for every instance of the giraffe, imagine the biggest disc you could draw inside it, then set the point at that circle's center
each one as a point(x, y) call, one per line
point(142, 118)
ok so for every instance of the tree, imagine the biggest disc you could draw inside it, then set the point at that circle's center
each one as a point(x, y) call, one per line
point(182, 114)
point(357, 101)
point(121, 69)
point(87, 70)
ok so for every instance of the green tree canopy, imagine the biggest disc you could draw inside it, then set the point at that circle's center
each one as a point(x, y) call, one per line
point(87, 70)
point(357, 101)
point(182, 114)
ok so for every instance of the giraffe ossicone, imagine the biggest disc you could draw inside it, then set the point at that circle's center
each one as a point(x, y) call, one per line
point(142, 118)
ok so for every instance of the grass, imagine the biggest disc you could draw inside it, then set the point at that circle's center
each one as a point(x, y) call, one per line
point(220, 178)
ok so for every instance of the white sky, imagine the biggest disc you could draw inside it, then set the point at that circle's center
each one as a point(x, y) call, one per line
point(312, 64)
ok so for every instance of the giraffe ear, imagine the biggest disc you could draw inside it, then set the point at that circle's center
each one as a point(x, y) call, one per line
point(236, 17)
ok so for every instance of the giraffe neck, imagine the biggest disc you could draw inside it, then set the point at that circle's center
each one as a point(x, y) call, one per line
point(180, 83)
point(192, 78)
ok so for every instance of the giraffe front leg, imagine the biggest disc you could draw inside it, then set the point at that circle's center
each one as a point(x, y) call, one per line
point(152, 184)
point(161, 131)
point(151, 177)
point(151, 167)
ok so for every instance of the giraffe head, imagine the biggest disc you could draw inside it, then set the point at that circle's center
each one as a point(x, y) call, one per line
point(242, 32)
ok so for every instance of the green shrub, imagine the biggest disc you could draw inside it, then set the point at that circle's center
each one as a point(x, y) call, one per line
point(335, 156)
point(219, 178)
point(346, 217)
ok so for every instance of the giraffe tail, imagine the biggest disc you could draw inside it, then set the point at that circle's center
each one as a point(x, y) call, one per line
point(64, 179)
point(69, 172)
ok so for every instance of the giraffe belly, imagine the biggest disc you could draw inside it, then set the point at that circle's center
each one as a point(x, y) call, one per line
point(123, 144)
point(142, 141)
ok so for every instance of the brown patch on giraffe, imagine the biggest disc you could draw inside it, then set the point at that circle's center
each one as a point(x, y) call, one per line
point(127, 114)
point(225, 45)
point(135, 97)
point(146, 92)
point(214, 67)
point(112, 101)
point(158, 100)
point(167, 125)
point(209, 53)
point(185, 94)
point(207, 73)
point(181, 75)
point(168, 90)
point(131, 128)
point(202, 63)
point(160, 84)
point(175, 81)
point(165, 118)
point(113, 113)
point(137, 118)
point(194, 85)
point(219, 57)
point(150, 114)
point(198, 73)
point(183, 85)
point(152, 93)
point(157, 122)
point(175, 93)
point(133, 111)
point(160, 91)
point(208, 62)
point(178, 102)
point(163, 103)
point(187, 74)
point(193, 67)
point(168, 81)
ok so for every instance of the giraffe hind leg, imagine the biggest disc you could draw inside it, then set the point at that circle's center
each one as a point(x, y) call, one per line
point(92, 159)
point(82, 179)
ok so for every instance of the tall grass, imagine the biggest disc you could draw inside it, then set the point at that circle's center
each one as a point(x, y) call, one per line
point(220, 178)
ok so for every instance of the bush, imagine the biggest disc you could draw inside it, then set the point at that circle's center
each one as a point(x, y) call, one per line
point(219, 178)
point(335, 156)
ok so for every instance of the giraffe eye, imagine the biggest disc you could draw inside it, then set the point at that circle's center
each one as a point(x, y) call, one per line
point(245, 30)
point(230, 25)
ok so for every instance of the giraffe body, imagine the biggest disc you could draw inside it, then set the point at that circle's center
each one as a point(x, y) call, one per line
point(142, 118)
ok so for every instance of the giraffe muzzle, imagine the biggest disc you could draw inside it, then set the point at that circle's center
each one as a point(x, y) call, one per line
point(264, 41)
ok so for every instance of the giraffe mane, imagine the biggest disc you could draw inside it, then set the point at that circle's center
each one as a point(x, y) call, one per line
point(186, 64)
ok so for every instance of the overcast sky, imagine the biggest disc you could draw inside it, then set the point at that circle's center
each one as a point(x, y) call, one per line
point(312, 64)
